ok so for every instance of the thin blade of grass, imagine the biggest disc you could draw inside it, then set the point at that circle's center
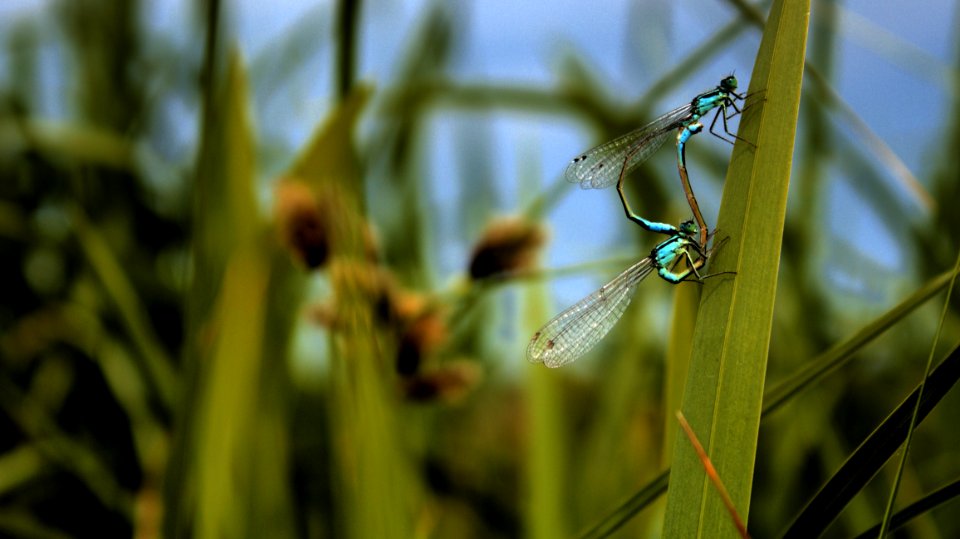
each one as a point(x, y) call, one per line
point(888, 159)
point(917, 508)
point(156, 366)
point(725, 390)
point(836, 356)
point(679, 347)
point(874, 452)
point(888, 512)
point(621, 515)
point(548, 466)
point(82, 143)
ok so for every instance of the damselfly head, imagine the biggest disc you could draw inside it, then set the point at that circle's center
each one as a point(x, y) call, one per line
point(689, 228)
point(729, 83)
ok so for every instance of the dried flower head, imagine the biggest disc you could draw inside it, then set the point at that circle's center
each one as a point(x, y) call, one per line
point(311, 218)
point(420, 338)
point(304, 228)
point(507, 245)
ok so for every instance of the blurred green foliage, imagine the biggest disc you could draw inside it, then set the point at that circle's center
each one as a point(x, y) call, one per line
point(179, 357)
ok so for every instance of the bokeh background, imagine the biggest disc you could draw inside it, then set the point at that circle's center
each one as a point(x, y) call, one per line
point(269, 269)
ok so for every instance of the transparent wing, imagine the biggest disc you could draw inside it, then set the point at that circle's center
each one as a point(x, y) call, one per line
point(576, 330)
point(601, 166)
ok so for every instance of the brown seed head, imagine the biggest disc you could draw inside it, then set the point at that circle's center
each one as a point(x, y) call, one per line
point(508, 244)
point(421, 338)
point(303, 227)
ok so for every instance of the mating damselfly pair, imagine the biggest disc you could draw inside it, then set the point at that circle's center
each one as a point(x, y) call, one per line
point(576, 330)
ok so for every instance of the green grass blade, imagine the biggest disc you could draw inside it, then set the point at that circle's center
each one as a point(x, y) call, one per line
point(227, 469)
point(835, 357)
point(679, 350)
point(229, 403)
point(723, 396)
point(631, 507)
point(874, 452)
point(223, 210)
point(156, 365)
point(888, 512)
point(917, 508)
point(548, 467)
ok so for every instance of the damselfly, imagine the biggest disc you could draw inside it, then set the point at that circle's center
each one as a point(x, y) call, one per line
point(610, 162)
point(576, 330)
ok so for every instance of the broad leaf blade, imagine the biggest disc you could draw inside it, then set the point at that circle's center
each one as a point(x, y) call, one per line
point(723, 396)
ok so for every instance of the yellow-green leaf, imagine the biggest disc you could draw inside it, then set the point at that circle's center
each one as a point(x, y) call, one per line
point(723, 396)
